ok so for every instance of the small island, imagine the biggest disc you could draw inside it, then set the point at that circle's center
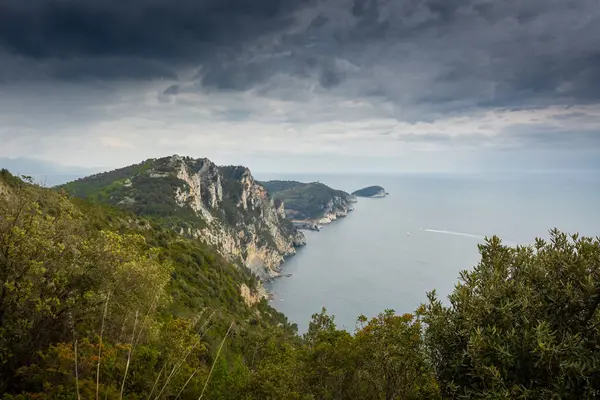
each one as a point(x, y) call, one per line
point(371, 191)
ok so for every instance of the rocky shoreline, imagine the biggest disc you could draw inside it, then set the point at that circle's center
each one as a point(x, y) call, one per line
point(337, 208)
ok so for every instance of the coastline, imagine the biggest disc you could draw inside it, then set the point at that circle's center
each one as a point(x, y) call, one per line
point(310, 225)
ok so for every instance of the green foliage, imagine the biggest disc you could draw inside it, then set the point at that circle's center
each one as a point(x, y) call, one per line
point(281, 186)
point(304, 200)
point(147, 189)
point(101, 186)
point(523, 324)
point(8, 179)
point(57, 276)
point(62, 261)
point(384, 359)
point(204, 279)
point(392, 359)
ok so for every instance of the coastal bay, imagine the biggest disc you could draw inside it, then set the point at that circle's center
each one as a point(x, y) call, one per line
point(390, 251)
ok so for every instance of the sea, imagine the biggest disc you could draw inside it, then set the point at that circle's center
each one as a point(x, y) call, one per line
point(389, 252)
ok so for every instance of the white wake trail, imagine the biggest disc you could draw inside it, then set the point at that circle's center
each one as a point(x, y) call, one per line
point(469, 235)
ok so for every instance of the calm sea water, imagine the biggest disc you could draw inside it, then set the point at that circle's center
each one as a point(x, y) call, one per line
point(389, 252)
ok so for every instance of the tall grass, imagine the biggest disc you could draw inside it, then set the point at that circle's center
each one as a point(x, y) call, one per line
point(215, 361)
point(100, 347)
point(129, 355)
point(196, 343)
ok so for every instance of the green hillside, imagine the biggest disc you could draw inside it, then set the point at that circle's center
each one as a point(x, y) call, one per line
point(79, 257)
point(153, 197)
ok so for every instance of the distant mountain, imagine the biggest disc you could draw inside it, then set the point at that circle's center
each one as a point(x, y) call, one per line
point(310, 201)
point(223, 206)
point(371, 191)
point(44, 173)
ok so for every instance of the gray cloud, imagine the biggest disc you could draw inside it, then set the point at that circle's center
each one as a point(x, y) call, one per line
point(430, 58)
point(302, 70)
point(443, 55)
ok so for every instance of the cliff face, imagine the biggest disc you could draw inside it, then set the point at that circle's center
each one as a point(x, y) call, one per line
point(242, 220)
point(223, 206)
point(310, 203)
point(338, 206)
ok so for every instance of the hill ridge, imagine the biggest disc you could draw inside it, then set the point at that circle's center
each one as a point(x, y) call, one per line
point(223, 206)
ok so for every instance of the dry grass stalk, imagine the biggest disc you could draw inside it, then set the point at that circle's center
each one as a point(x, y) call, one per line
point(129, 355)
point(177, 366)
point(100, 347)
point(215, 362)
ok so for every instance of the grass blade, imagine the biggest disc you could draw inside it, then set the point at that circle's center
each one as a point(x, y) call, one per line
point(100, 347)
point(129, 355)
point(215, 362)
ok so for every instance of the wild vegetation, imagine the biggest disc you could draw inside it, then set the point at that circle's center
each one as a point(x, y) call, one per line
point(133, 189)
point(133, 304)
point(97, 303)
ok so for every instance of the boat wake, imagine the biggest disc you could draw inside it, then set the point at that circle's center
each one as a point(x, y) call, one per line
point(469, 235)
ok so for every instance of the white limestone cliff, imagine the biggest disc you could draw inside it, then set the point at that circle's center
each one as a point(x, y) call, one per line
point(262, 238)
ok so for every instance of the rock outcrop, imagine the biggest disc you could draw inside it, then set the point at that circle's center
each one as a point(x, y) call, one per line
point(310, 204)
point(222, 206)
point(251, 297)
point(337, 207)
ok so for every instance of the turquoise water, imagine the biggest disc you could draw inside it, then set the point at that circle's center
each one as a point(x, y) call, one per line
point(389, 252)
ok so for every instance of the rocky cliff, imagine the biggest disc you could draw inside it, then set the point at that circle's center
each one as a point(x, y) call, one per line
point(336, 207)
point(223, 206)
point(310, 203)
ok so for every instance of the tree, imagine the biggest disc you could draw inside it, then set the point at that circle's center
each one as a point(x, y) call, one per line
point(523, 324)
point(328, 359)
point(59, 277)
point(392, 360)
point(384, 360)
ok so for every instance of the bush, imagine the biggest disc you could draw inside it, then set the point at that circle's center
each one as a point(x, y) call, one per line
point(523, 324)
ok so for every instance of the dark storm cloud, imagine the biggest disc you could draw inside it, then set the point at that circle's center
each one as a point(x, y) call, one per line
point(428, 58)
point(235, 76)
point(134, 32)
point(108, 69)
point(435, 57)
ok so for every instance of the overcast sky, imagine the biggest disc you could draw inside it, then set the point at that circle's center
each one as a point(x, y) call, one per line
point(304, 85)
